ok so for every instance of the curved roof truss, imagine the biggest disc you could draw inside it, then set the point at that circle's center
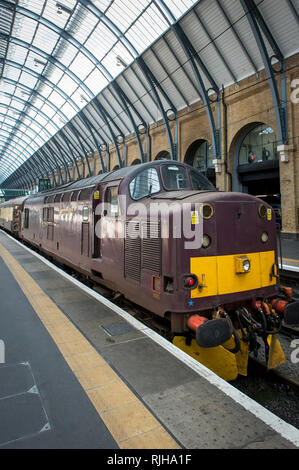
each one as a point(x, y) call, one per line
point(78, 75)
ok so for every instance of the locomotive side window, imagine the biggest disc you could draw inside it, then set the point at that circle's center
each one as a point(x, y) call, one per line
point(199, 182)
point(50, 214)
point(175, 177)
point(112, 199)
point(147, 182)
point(26, 218)
point(45, 214)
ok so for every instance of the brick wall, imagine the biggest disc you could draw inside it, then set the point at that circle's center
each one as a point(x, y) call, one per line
point(249, 102)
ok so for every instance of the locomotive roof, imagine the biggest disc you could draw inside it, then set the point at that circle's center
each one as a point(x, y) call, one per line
point(120, 173)
point(16, 200)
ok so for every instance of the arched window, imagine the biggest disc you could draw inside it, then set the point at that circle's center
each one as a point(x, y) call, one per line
point(115, 168)
point(136, 161)
point(258, 146)
point(164, 155)
point(200, 155)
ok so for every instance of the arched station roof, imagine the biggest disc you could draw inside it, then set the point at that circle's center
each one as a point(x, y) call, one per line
point(78, 75)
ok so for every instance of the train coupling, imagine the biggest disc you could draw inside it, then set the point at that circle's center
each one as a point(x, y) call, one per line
point(210, 333)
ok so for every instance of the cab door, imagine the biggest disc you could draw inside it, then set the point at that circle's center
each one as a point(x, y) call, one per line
point(106, 214)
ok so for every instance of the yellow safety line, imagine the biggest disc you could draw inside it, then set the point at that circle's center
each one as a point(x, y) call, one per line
point(130, 423)
point(290, 259)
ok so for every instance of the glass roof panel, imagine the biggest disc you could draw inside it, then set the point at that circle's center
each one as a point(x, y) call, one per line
point(102, 35)
point(7, 87)
point(50, 52)
point(61, 19)
point(48, 110)
point(178, 8)
point(68, 110)
point(123, 13)
point(24, 28)
point(67, 84)
point(16, 104)
point(102, 4)
point(12, 73)
point(81, 66)
point(80, 98)
point(28, 80)
point(45, 39)
point(82, 24)
point(96, 81)
point(111, 64)
point(55, 74)
point(51, 128)
point(56, 99)
point(45, 90)
point(33, 5)
point(66, 54)
point(17, 53)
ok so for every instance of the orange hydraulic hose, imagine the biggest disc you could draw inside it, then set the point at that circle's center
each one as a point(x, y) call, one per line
point(195, 321)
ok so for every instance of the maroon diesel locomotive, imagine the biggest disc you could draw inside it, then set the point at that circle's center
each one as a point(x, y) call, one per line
point(160, 234)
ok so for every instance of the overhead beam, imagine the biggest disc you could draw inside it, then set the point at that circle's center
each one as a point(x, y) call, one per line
point(260, 28)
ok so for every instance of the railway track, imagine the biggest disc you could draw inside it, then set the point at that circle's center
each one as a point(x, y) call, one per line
point(289, 277)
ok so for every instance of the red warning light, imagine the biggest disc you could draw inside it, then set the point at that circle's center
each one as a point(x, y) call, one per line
point(190, 282)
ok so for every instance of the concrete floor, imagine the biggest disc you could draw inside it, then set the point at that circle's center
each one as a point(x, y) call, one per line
point(43, 404)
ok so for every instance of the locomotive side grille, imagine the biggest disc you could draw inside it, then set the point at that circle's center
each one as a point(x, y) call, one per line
point(132, 251)
point(151, 247)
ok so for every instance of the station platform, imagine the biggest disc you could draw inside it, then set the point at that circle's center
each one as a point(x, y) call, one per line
point(77, 372)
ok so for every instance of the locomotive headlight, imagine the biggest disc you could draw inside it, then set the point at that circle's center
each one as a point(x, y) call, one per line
point(206, 211)
point(242, 264)
point(246, 266)
point(264, 237)
point(262, 211)
point(206, 241)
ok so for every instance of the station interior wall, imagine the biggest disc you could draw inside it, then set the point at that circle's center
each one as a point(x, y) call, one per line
point(248, 102)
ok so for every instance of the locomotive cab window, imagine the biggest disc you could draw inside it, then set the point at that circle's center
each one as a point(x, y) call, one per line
point(144, 184)
point(175, 177)
point(112, 200)
point(199, 182)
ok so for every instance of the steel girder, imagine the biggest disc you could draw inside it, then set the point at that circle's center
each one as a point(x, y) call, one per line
point(195, 59)
point(43, 79)
point(293, 10)
point(127, 104)
point(154, 85)
point(237, 36)
point(69, 38)
point(27, 117)
point(259, 27)
point(103, 142)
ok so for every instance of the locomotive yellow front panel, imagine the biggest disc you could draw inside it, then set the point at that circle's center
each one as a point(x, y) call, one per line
point(219, 275)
